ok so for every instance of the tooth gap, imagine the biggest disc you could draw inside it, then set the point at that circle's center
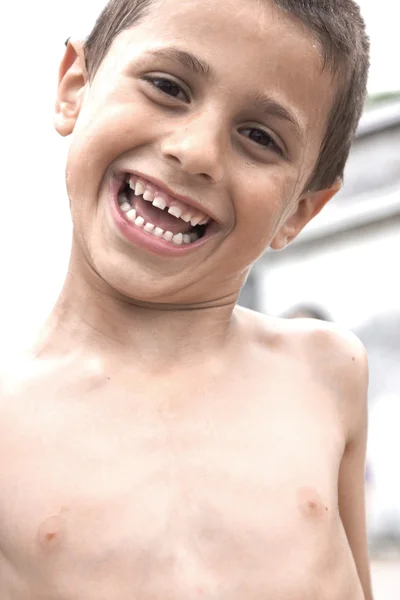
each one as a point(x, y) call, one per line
point(127, 191)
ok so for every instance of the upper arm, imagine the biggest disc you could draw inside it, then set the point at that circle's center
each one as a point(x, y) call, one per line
point(354, 408)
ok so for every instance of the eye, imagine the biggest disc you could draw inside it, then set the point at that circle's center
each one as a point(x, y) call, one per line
point(262, 138)
point(169, 87)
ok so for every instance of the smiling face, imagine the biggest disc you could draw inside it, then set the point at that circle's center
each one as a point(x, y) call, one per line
point(216, 113)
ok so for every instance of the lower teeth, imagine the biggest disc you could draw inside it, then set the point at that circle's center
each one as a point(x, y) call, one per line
point(179, 239)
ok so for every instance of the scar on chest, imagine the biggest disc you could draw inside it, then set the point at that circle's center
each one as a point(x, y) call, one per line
point(310, 503)
point(51, 533)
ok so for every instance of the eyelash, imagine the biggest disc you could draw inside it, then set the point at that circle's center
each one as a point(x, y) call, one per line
point(153, 81)
point(271, 142)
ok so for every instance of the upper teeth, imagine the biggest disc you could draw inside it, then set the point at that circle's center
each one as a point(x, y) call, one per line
point(139, 189)
point(175, 207)
point(147, 196)
point(175, 211)
point(159, 203)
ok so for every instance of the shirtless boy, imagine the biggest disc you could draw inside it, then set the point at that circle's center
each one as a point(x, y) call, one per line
point(157, 442)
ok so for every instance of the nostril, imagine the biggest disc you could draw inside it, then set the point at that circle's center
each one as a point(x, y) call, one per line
point(173, 158)
point(207, 177)
point(194, 158)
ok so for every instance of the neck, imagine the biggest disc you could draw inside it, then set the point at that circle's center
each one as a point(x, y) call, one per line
point(90, 318)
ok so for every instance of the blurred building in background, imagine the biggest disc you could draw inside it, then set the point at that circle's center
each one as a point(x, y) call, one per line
point(346, 265)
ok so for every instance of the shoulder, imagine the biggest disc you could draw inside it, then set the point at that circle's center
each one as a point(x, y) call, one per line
point(337, 359)
point(327, 345)
point(333, 348)
point(340, 363)
point(337, 355)
point(333, 357)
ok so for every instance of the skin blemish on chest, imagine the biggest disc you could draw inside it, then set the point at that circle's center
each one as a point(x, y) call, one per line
point(310, 503)
point(51, 533)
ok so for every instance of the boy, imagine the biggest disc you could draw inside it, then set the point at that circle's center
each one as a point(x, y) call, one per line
point(157, 441)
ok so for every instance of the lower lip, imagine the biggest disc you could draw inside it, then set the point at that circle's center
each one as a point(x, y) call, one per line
point(139, 237)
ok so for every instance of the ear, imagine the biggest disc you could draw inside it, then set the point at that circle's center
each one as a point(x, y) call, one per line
point(72, 83)
point(305, 209)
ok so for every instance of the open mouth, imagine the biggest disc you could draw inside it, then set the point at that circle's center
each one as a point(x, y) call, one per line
point(159, 214)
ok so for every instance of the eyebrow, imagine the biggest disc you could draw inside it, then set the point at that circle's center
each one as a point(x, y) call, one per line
point(186, 59)
point(272, 108)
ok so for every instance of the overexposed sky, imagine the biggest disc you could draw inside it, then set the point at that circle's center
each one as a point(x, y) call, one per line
point(382, 17)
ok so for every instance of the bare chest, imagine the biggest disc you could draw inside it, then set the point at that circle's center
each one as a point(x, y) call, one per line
point(189, 507)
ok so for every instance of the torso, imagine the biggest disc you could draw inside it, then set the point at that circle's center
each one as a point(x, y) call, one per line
point(221, 485)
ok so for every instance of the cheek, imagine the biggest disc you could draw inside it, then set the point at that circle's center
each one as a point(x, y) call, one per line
point(103, 134)
point(261, 210)
point(111, 123)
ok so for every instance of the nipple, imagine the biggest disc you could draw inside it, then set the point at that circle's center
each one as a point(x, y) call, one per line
point(310, 503)
point(51, 533)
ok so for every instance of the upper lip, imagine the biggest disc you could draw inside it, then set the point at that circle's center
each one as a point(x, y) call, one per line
point(167, 190)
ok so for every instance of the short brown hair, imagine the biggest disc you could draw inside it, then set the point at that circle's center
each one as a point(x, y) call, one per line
point(338, 27)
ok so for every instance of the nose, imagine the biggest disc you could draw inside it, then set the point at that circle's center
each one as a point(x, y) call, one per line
point(197, 146)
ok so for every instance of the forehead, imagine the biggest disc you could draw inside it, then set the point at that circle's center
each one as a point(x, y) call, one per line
point(252, 46)
point(256, 26)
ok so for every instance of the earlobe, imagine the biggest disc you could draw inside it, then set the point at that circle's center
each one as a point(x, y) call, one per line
point(71, 87)
point(306, 208)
